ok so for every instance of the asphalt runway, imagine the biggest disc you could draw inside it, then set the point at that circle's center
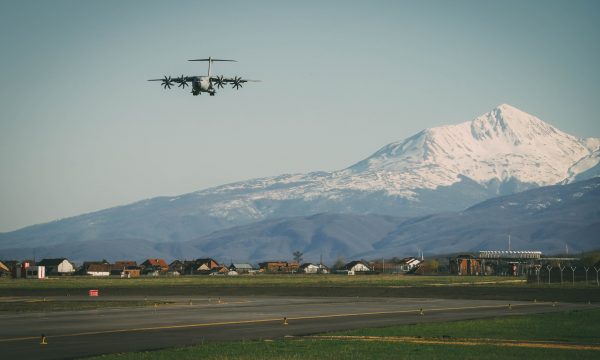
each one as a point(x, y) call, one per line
point(75, 334)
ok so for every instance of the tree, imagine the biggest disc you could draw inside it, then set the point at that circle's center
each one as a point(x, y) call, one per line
point(339, 263)
point(434, 265)
point(298, 256)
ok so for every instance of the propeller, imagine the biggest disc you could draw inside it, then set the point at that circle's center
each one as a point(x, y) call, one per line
point(167, 82)
point(182, 82)
point(219, 81)
point(237, 83)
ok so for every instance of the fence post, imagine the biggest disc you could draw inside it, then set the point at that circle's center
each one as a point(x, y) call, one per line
point(587, 268)
point(562, 268)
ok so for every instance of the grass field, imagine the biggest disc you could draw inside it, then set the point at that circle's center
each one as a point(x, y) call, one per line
point(536, 337)
point(446, 287)
point(83, 282)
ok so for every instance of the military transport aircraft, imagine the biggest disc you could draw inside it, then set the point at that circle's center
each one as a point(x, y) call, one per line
point(201, 83)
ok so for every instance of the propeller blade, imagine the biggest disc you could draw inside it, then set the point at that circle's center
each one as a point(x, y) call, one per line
point(182, 82)
point(219, 81)
point(167, 82)
point(237, 82)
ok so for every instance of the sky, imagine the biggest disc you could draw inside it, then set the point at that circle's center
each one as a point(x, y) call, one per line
point(82, 130)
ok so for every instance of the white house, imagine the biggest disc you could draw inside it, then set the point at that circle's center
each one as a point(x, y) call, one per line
point(357, 266)
point(309, 268)
point(409, 264)
point(59, 266)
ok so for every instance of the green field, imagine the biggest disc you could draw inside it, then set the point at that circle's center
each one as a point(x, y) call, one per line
point(446, 287)
point(84, 282)
point(577, 328)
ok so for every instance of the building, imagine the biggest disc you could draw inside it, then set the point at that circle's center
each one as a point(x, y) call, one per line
point(154, 267)
point(125, 269)
point(508, 262)
point(131, 272)
point(60, 266)
point(465, 264)
point(358, 266)
point(177, 267)
point(275, 267)
point(35, 272)
point(221, 270)
point(202, 266)
point(96, 269)
point(4, 270)
point(309, 268)
point(241, 268)
point(125, 263)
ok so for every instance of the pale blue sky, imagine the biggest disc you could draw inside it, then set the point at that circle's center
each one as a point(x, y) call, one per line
point(81, 129)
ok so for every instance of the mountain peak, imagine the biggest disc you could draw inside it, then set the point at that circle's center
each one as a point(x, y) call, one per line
point(503, 144)
point(511, 125)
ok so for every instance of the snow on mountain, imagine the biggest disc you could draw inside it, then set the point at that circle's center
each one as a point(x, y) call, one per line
point(447, 168)
point(503, 145)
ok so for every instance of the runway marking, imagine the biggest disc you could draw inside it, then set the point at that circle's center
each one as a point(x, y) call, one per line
point(257, 321)
point(463, 341)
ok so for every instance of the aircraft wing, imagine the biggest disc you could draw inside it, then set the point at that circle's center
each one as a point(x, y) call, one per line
point(236, 81)
point(168, 81)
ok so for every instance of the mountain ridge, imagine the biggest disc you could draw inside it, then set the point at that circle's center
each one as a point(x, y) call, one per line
point(447, 168)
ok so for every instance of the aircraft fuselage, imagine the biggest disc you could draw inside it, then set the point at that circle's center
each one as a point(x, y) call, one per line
point(202, 84)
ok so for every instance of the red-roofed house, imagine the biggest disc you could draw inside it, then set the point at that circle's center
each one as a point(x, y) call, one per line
point(155, 266)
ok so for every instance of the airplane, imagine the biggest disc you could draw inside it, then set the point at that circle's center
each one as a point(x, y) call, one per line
point(207, 84)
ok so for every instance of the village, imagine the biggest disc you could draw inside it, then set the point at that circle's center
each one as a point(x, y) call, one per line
point(529, 264)
point(31, 269)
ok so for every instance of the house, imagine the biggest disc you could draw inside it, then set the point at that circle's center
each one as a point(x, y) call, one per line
point(60, 266)
point(309, 268)
point(4, 270)
point(221, 270)
point(278, 267)
point(125, 263)
point(154, 267)
point(98, 269)
point(131, 272)
point(35, 272)
point(202, 266)
point(13, 266)
point(356, 266)
point(125, 269)
point(86, 264)
point(177, 267)
point(409, 264)
point(241, 268)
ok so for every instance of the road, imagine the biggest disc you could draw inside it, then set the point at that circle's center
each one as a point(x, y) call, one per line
point(73, 334)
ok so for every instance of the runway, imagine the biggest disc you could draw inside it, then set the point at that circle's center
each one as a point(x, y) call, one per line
point(73, 334)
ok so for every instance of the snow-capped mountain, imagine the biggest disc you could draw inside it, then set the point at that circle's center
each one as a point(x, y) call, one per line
point(447, 168)
point(501, 145)
point(500, 152)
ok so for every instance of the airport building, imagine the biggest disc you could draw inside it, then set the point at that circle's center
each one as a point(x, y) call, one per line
point(495, 262)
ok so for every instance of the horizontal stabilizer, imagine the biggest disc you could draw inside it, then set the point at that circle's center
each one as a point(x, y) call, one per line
point(211, 60)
